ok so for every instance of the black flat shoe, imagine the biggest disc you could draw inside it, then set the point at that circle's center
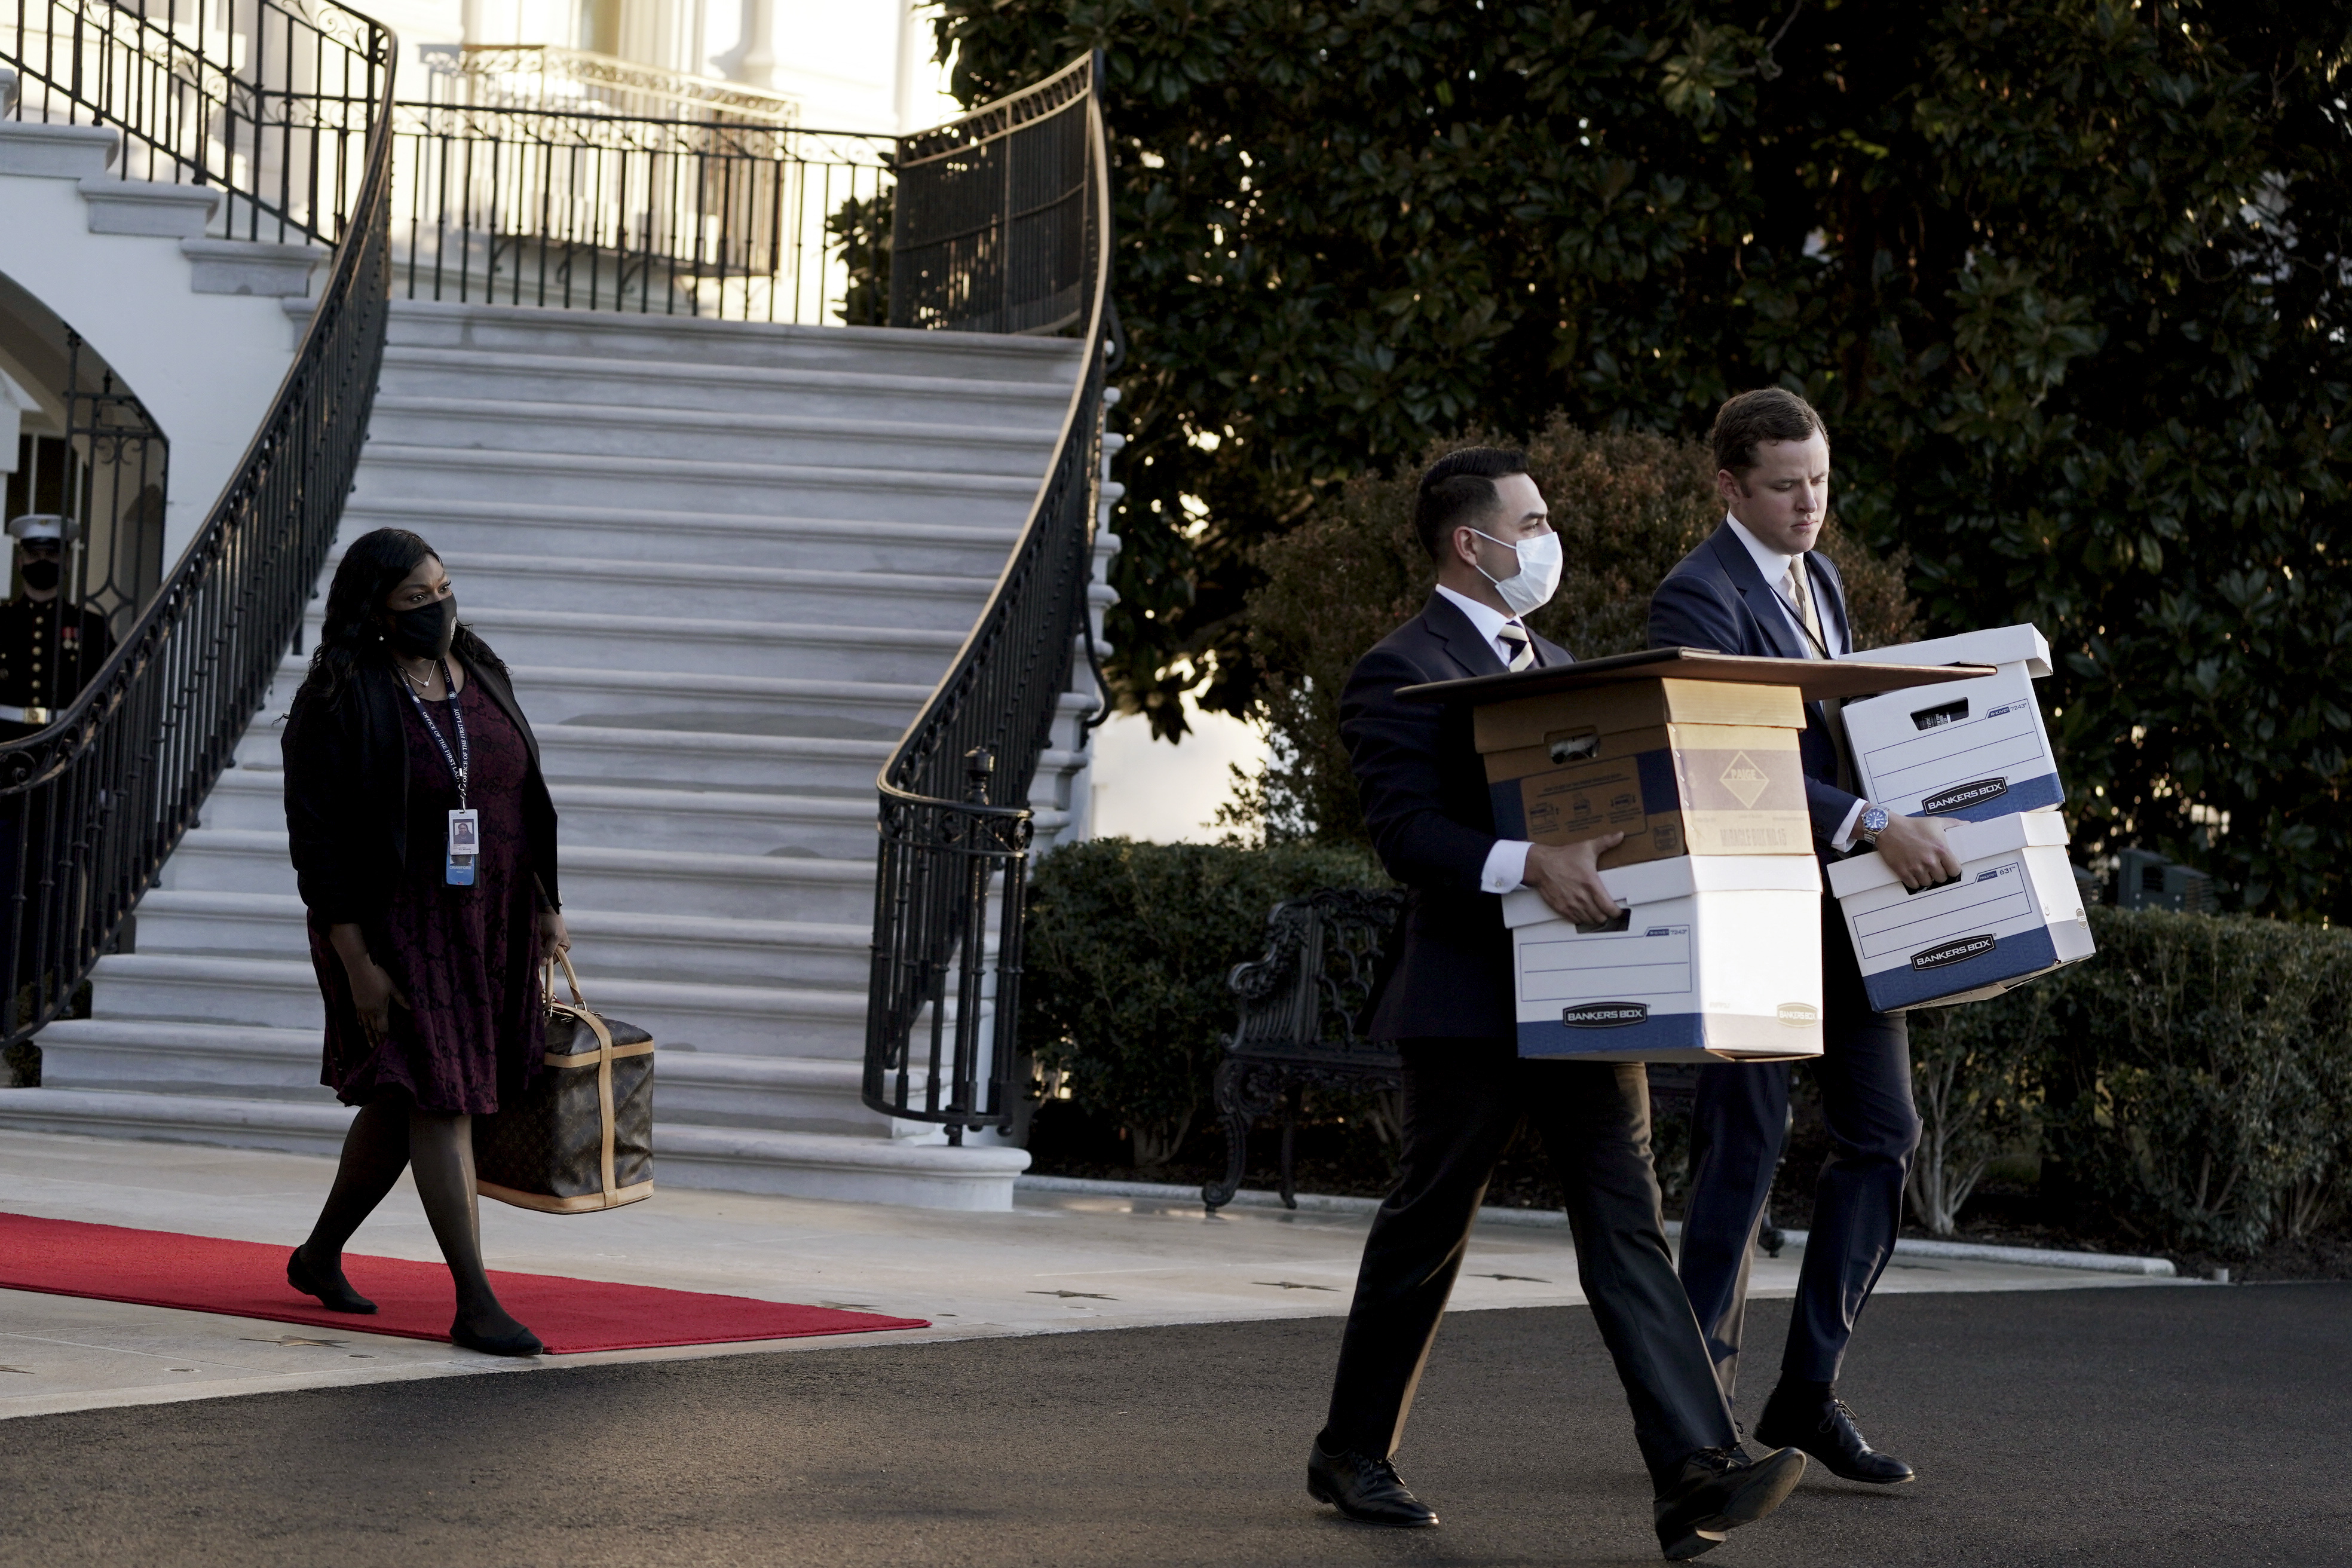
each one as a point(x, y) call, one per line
point(1365, 1490)
point(1719, 1491)
point(336, 1295)
point(1824, 1429)
point(522, 1341)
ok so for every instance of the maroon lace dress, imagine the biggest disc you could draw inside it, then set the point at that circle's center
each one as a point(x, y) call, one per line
point(474, 1030)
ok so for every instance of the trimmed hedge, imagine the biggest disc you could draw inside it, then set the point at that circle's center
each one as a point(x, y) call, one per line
point(2190, 1087)
point(2191, 1082)
point(1123, 988)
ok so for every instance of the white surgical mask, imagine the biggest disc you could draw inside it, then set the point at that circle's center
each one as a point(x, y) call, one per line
point(1538, 575)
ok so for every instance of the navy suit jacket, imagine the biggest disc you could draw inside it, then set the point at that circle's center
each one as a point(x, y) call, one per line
point(1432, 823)
point(1714, 598)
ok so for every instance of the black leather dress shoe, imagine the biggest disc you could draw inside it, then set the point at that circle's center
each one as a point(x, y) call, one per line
point(336, 1295)
point(1365, 1490)
point(1825, 1429)
point(1719, 1491)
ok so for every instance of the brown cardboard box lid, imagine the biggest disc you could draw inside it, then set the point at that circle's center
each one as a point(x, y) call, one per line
point(1814, 679)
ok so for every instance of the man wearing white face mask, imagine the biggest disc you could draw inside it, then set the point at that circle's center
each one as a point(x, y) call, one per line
point(1447, 1007)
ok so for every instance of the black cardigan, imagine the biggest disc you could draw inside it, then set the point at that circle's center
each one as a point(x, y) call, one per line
point(347, 795)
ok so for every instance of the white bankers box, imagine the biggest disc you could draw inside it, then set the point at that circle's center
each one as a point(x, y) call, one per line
point(1716, 957)
point(1970, 750)
point(2015, 912)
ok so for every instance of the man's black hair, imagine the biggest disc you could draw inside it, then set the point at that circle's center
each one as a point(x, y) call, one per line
point(1460, 488)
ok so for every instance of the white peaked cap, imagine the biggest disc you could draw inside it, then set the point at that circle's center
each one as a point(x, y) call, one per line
point(40, 525)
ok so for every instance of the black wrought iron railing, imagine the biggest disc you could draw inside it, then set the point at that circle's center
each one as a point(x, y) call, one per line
point(1012, 224)
point(269, 102)
point(91, 806)
point(584, 210)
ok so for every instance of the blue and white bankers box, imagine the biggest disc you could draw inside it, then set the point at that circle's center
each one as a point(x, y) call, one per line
point(1977, 753)
point(1965, 750)
point(2014, 913)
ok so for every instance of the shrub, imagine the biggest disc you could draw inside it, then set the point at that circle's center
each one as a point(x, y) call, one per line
point(2221, 1071)
point(2191, 1079)
point(1627, 505)
point(1129, 946)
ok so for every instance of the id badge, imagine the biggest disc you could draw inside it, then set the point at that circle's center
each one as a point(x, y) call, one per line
point(465, 844)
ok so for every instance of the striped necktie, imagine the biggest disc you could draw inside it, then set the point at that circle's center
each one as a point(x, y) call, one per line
point(1520, 652)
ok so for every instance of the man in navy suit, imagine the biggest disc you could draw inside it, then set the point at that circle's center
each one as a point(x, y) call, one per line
point(1757, 586)
point(1448, 1006)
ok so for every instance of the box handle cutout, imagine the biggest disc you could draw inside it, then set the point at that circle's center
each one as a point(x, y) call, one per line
point(1949, 713)
point(1947, 882)
point(1603, 928)
point(1572, 746)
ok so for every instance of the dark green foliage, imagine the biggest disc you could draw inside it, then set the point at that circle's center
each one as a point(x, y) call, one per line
point(858, 233)
point(1628, 506)
point(2066, 276)
point(2192, 1077)
point(1129, 946)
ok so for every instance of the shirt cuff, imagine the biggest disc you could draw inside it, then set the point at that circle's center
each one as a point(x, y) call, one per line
point(1844, 842)
point(1507, 867)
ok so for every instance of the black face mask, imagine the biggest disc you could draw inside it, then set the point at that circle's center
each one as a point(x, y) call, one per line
point(40, 575)
point(426, 632)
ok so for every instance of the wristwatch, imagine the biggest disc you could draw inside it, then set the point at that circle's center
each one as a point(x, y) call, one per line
point(1871, 824)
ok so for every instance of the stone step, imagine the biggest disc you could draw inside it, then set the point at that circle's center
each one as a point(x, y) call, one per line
point(751, 1020)
point(724, 704)
point(148, 208)
point(578, 584)
point(596, 753)
point(616, 943)
point(661, 883)
point(38, 151)
point(731, 540)
point(700, 649)
point(700, 436)
point(1036, 406)
point(918, 1173)
point(610, 335)
point(725, 822)
point(708, 1088)
point(401, 472)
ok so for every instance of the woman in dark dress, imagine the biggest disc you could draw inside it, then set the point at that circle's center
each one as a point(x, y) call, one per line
point(405, 746)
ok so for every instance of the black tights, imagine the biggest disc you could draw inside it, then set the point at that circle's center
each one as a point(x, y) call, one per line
point(393, 1133)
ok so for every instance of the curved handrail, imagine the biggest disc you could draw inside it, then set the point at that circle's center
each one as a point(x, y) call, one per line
point(91, 806)
point(948, 849)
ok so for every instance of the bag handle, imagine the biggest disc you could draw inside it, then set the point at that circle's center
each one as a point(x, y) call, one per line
point(570, 975)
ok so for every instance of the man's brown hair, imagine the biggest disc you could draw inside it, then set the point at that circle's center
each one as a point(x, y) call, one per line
point(1767, 413)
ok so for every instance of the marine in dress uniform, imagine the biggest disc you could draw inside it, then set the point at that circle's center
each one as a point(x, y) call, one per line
point(49, 649)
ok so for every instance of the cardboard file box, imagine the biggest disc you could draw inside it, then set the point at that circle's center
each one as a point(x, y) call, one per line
point(2015, 912)
point(1716, 957)
point(1969, 750)
point(1680, 767)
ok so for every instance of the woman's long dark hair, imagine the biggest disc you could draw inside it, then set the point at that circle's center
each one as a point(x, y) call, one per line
point(372, 567)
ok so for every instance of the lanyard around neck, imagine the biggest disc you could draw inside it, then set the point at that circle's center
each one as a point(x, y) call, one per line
point(461, 761)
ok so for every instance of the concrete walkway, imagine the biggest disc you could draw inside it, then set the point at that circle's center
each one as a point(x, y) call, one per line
point(1057, 1263)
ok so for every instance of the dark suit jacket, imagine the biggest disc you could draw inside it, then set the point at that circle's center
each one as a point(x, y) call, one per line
point(1714, 598)
point(347, 794)
point(1432, 823)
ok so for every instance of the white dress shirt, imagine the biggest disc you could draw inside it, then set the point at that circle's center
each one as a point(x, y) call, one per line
point(1774, 565)
point(1506, 862)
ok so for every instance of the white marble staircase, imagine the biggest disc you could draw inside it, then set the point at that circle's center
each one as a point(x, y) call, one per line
point(726, 563)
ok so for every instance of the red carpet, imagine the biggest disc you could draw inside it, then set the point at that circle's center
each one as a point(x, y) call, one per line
point(246, 1280)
